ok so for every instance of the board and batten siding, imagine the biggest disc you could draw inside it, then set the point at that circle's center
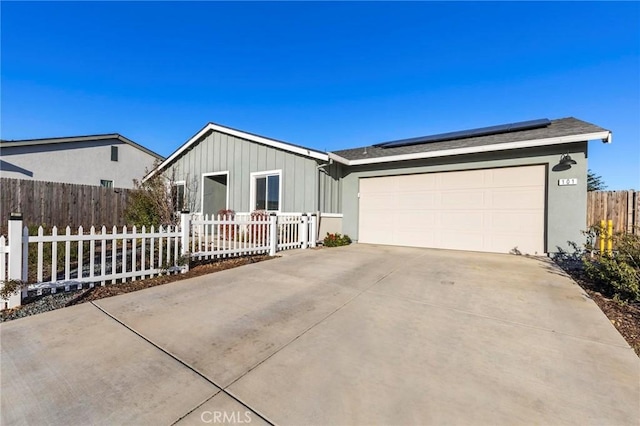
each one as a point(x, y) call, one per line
point(305, 188)
point(330, 188)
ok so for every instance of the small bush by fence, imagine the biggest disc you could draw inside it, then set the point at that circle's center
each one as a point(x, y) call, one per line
point(615, 266)
point(61, 204)
point(621, 207)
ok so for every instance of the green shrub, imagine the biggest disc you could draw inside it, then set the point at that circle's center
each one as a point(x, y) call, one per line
point(620, 272)
point(336, 240)
point(9, 288)
point(152, 202)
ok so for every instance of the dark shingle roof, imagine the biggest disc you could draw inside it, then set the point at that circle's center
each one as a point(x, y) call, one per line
point(562, 127)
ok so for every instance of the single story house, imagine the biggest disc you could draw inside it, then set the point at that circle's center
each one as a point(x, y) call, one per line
point(109, 160)
point(519, 188)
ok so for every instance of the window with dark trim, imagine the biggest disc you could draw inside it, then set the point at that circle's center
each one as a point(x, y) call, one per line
point(177, 196)
point(106, 183)
point(267, 192)
point(114, 153)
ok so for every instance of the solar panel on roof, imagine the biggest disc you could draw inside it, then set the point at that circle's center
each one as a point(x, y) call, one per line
point(462, 134)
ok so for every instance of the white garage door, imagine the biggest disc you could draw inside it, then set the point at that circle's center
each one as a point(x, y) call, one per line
point(492, 210)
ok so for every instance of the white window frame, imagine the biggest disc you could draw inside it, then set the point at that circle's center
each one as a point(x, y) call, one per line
point(107, 180)
point(252, 188)
point(204, 175)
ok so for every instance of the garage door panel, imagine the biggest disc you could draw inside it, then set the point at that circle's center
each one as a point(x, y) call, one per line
point(377, 202)
point(516, 222)
point(525, 176)
point(415, 219)
point(491, 210)
point(462, 220)
point(508, 199)
point(381, 236)
point(375, 220)
point(462, 180)
point(461, 199)
point(416, 201)
point(418, 183)
point(388, 185)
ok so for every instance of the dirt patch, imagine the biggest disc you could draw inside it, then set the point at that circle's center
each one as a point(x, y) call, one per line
point(61, 300)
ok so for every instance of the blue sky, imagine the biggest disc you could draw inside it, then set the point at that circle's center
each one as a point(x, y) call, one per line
point(325, 75)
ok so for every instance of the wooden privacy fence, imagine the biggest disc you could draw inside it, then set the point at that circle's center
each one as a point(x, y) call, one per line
point(61, 204)
point(621, 207)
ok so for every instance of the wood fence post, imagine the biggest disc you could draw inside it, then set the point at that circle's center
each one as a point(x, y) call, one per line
point(610, 237)
point(636, 213)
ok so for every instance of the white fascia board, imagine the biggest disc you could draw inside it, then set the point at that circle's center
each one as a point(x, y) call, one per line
point(270, 142)
point(605, 136)
point(233, 132)
point(338, 159)
point(176, 154)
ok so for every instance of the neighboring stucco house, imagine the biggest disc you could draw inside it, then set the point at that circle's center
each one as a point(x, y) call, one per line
point(509, 188)
point(109, 160)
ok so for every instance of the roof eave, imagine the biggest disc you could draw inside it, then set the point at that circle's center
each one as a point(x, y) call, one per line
point(49, 141)
point(243, 135)
point(337, 158)
point(53, 141)
point(140, 147)
point(605, 136)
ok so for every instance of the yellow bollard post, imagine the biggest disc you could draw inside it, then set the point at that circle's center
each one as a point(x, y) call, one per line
point(603, 235)
point(610, 237)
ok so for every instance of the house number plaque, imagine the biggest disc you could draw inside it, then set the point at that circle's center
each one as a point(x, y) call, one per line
point(565, 182)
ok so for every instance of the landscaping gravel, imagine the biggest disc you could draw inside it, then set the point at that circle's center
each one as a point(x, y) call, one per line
point(35, 304)
point(42, 304)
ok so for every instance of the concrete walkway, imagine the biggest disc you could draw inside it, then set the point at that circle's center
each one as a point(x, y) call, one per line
point(355, 335)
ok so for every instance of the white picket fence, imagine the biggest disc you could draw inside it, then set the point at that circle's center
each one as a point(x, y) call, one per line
point(4, 257)
point(100, 257)
point(243, 234)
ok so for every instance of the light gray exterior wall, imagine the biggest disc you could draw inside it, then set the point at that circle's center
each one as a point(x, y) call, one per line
point(305, 188)
point(84, 163)
point(330, 188)
point(565, 208)
point(329, 225)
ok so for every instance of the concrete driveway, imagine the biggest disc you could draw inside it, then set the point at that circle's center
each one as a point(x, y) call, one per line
point(354, 335)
